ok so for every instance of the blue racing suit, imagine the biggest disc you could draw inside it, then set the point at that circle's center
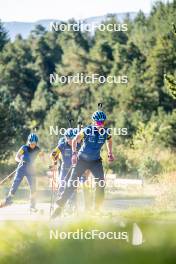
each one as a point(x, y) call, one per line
point(66, 154)
point(88, 159)
point(64, 150)
point(25, 168)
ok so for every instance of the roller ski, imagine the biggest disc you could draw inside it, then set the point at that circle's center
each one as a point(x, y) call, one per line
point(34, 211)
point(7, 202)
point(57, 212)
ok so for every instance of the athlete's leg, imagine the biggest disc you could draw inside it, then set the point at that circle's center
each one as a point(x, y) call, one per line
point(86, 185)
point(62, 180)
point(32, 185)
point(17, 180)
point(77, 171)
point(96, 168)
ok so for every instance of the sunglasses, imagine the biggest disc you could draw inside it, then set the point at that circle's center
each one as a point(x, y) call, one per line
point(100, 123)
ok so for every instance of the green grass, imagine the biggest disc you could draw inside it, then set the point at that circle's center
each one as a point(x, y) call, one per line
point(25, 242)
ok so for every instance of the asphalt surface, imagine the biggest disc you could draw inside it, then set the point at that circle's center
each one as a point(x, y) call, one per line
point(19, 212)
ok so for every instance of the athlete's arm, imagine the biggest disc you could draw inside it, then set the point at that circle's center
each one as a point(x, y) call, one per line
point(77, 140)
point(42, 155)
point(19, 155)
point(109, 146)
point(55, 154)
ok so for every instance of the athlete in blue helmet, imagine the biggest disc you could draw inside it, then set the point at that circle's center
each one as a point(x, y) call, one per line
point(25, 157)
point(88, 158)
point(63, 151)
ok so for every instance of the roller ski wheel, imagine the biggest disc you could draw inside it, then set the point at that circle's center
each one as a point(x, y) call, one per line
point(57, 212)
point(5, 203)
point(36, 211)
point(33, 210)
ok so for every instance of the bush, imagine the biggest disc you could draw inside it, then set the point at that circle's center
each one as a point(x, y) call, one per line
point(149, 167)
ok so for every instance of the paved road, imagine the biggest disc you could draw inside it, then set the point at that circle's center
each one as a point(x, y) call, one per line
point(21, 211)
point(122, 204)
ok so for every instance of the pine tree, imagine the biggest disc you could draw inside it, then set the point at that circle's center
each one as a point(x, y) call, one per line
point(3, 36)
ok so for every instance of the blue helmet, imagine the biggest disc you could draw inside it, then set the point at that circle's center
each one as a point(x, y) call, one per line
point(32, 138)
point(99, 116)
point(70, 133)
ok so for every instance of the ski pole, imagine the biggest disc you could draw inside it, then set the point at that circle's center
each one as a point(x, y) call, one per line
point(7, 177)
point(79, 123)
point(69, 119)
point(106, 172)
point(68, 173)
point(53, 186)
point(53, 189)
point(100, 106)
point(10, 175)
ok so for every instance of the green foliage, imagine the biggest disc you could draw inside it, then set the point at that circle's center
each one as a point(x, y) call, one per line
point(3, 36)
point(10, 125)
point(149, 167)
point(16, 70)
point(30, 243)
point(124, 165)
point(46, 52)
point(41, 103)
point(170, 84)
point(144, 53)
point(55, 120)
